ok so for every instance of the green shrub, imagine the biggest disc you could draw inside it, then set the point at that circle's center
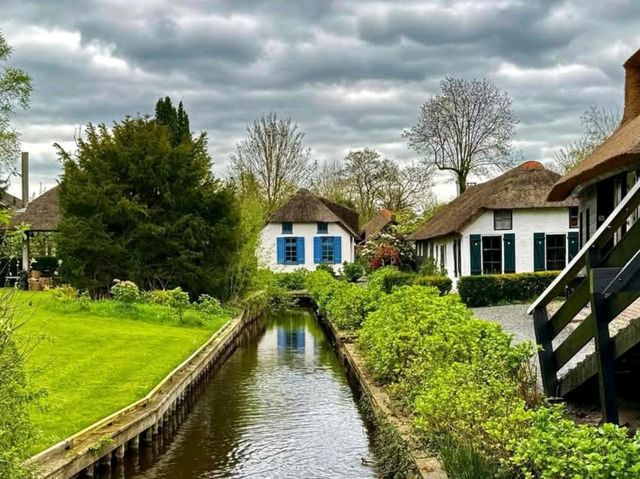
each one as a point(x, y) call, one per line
point(210, 306)
point(126, 292)
point(352, 271)
point(463, 461)
point(388, 277)
point(327, 269)
point(349, 305)
point(489, 289)
point(292, 281)
point(443, 283)
point(555, 447)
point(403, 331)
point(320, 285)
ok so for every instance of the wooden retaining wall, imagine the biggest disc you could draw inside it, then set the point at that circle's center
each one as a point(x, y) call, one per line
point(424, 465)
point(106, 442)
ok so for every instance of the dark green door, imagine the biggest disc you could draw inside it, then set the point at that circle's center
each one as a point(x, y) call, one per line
point(572, 240)
point(509, 240)
point(538, 252)
point(476, 259)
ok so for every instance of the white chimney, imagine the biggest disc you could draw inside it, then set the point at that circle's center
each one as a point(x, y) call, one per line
point(25, 178)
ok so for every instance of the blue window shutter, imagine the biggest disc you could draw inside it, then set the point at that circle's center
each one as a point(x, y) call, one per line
point(317, 249)
point(300, 250)
point(337, 249)
point(280, 250)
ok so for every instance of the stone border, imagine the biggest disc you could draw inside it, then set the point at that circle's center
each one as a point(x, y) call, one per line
point(109, 439)
point(425, 466)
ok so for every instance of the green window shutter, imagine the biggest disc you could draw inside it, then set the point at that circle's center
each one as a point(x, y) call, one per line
point(476, 260)
point(573, 240)
point(538, 252)
point(509, 240)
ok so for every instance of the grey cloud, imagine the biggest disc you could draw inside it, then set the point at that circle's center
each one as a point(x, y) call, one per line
point(351, 73)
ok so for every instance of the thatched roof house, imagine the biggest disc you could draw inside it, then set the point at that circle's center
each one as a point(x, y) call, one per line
point(377, 224)
point(505, 225)
point(307, 207)
point(307, 231)
point(42, 214)
point(525, 186)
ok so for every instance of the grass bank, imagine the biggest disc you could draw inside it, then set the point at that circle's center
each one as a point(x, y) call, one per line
point(93, 358)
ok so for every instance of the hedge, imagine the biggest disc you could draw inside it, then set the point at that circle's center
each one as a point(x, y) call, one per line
point(443, 283)
point(490, 289)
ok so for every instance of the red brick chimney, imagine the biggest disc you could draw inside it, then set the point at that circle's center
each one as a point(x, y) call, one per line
point(632, 88)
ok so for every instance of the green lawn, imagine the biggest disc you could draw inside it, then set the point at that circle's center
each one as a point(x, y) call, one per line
point(93, 362)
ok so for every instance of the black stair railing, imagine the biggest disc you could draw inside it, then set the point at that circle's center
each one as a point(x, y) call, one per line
point(611, 284)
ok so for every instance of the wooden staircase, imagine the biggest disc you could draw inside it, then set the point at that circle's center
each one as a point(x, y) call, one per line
point(599, 321)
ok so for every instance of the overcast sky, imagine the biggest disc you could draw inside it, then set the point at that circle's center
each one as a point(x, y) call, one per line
point(351, 73)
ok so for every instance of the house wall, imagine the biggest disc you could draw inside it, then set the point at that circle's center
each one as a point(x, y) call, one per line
point(267, 253)
point(525, 223)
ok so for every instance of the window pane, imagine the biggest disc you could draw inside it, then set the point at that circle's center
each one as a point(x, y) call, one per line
point(323, 228)
point(491, 254)
point(502, 219)
point(327, 250)
point(556, 252)
point(287, 228)
point(573, 217)
point(290, 250)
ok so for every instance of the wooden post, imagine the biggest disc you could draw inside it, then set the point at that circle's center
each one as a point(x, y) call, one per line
point(545, 353)
point(602, 339)
point(119, 453)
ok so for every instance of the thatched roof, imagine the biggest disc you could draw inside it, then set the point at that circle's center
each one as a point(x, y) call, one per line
point(525, 186)
point(7, 200)
point(376, 224)
point(307, 207)
point(620, 151)
point(43, 213)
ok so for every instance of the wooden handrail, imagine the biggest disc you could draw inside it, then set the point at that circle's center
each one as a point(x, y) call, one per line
point(615, 220)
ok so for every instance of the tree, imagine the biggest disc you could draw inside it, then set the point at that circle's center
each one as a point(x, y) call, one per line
point(252, 220)
point(176, 120)
point(136, 207)
point(598, 124)
point(465, 129)
point(15, 92)
point(365, 176)
point(274, 154)
point(330, 181)
point(16, 431)
point(404, 189)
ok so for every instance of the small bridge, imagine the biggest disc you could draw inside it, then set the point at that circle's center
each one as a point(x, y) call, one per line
point(600, 319)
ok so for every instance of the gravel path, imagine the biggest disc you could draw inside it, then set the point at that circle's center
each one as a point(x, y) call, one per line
point(513, 318)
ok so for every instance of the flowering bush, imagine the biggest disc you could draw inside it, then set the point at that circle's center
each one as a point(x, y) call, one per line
point(125, 291)
point(388, 249)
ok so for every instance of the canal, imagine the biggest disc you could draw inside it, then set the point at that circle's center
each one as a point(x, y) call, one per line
point(280, 407)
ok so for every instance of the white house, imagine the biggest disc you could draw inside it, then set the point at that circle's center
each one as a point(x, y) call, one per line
point(307, 231)
point(505, 225)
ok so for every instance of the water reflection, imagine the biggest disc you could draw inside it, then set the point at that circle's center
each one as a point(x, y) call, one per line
point(279, 408)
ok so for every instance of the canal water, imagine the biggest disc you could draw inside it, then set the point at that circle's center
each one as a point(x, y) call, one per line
point(280, 407)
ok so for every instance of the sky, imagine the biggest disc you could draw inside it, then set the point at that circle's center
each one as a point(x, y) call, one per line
point(352, 74)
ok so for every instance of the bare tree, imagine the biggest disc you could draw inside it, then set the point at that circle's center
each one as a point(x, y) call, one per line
point(405, 188)
point(465, 129)
point(365, 177)
point(274, 154)
point(330, 181)
point(599, 124)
